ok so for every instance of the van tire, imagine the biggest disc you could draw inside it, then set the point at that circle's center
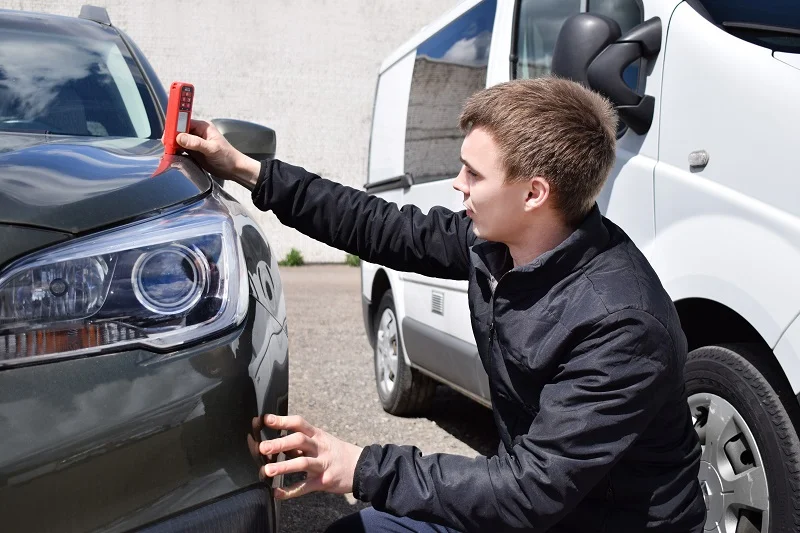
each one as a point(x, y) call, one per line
point(410, 392)
point(760, 395)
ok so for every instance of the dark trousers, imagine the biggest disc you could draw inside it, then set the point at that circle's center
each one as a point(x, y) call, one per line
point(371, 521)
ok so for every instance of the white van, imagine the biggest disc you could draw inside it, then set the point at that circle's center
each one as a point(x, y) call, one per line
point(706, 183)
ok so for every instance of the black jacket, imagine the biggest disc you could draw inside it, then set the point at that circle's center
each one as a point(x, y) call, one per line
point(584, 353)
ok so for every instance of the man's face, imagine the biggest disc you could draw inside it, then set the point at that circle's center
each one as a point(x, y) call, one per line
point(497, 208)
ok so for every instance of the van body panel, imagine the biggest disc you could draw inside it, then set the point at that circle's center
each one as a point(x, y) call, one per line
point(729, 231)
point(732, 99)
point(787, 352)
point(793, 60)
point(448, 358)
point(499, 67)
point(718, 244)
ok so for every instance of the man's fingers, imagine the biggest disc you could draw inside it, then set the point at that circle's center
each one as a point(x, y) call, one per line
point(298, 489)
point(292, 466)
point(292, 423)
point(295, 441)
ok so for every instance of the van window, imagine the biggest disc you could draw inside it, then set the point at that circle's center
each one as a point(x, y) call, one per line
point(538, 25)
point(773, 24)
point(540, 21)
point(449, 67)
point(628, 14)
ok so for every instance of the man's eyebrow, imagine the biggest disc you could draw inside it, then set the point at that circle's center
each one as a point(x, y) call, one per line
point(470, 166)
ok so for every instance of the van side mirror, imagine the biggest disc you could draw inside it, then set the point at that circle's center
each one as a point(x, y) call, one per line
point(589, 50)
point(580, 41)
point(251, 139)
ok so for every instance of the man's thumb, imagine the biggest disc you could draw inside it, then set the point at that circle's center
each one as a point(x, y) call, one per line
point(191, 142)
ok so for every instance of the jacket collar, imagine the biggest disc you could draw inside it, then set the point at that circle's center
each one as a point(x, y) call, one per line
point(494, 260)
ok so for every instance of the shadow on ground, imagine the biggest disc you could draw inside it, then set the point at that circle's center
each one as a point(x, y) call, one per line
point(314, 512)
point(464, 419)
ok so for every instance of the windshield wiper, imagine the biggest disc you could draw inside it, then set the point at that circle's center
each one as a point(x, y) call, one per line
point(776, 38)
point(23, 130)
point(765, 28)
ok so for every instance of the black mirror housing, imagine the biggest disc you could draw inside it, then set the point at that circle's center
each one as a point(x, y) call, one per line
point(581, 39)
point(253, 140)
point(589, 50)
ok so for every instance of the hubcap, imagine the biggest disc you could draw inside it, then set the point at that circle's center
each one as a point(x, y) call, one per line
point(386, 352)
point(732, 476)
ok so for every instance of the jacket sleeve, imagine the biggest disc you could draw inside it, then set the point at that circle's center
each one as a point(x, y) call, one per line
point(434, 244)
point(604, 395)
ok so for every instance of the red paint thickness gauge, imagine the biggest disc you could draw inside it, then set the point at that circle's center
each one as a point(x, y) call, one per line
point(179, 114)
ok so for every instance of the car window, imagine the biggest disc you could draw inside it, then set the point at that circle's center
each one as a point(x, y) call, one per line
point(538, 25)
point(449, 67)
point(774, 24)
point(63, 83)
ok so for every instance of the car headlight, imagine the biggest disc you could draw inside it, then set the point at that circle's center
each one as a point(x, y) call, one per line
point(159, 283)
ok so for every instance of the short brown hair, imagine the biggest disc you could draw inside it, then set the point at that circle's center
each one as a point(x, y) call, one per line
point(553, 128)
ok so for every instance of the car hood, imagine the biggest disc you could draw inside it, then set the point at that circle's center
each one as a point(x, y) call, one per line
point(78, 184)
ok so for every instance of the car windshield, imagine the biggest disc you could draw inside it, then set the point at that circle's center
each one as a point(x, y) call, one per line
point(76, 81)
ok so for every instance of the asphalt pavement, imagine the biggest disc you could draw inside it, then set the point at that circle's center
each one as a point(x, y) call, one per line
point(332, 385)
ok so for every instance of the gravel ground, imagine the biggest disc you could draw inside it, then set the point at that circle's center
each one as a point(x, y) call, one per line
point(332, 385)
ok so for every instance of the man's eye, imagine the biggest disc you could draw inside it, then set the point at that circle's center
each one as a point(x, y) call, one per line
point(471, 173)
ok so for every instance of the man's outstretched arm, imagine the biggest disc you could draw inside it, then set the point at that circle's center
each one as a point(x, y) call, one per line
point(433, 244)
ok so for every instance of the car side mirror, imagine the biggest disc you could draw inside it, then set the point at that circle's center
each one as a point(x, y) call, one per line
point(251, 139)
point(590, 50)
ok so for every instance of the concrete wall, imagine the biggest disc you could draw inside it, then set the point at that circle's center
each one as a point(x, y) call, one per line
point(306, 68)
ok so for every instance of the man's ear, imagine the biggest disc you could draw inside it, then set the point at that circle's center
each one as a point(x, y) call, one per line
point(537, 194)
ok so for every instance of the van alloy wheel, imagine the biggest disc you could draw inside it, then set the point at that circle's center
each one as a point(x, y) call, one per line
point(402, 390)
point(386, 345)
point(743, 409)
point(732, 476)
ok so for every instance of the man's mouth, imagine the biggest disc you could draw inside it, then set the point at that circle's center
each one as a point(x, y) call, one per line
point(470, 212)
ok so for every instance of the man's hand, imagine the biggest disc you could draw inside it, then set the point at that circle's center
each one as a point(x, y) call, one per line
point(213, 151)
point(329, 463)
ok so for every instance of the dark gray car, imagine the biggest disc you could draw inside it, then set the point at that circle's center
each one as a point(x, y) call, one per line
point(142, 319)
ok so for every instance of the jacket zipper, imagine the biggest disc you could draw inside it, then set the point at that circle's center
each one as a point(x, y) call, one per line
point(491, 324)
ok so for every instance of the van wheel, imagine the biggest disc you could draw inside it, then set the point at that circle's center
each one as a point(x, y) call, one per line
point(403, 391)
point(750, 466)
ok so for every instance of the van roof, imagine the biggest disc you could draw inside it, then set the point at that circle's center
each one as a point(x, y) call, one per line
point(423, 34)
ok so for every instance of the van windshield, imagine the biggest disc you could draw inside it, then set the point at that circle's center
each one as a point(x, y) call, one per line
point(773, 24)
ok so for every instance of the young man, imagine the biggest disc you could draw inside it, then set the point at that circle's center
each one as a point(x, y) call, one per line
point(582, 345)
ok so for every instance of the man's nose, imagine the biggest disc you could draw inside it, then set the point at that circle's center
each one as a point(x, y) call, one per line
point(460, 184)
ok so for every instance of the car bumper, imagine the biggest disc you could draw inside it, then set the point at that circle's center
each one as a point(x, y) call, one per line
point(118, 441)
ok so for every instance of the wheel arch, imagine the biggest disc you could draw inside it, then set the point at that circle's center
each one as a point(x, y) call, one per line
point(707, 322)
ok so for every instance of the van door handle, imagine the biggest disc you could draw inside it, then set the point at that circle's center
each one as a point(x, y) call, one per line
point(698, 160)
